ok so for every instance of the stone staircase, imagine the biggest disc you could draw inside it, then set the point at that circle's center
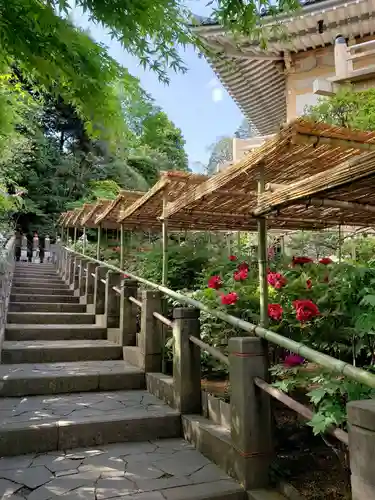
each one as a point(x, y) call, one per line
point(75, 419)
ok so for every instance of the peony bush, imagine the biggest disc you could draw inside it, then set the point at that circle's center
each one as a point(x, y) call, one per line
point(329, 307)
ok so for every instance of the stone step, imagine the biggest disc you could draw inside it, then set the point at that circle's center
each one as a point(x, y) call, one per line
point(54, 332)
point(40, 291)
point(45, 423)
point(58, 378)
point(36, 276)
point(45, 285)
point(56, 351)
point(38, 282)
point(133, 355)
point(50, 318)
point(166, 469)
point(65, 298)
point(46, 307)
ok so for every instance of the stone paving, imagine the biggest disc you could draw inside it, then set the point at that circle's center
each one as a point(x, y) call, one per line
point(169, 469)
point(36, 370)
point(38, 410)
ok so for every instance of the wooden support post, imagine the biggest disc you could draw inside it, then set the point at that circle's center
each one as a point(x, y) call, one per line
point(186, 360)
point(88, 299)
point(128, 313)
point(229, 244)
point(150, 339)
point(67, 236)
point(122, 247)
point(238, 241)
point(251, 423)
point(98, 243)
point(262, 257)
point(71, 270)
point(75, 236)
point(164, 280)
point(99, 294)
point(361, 419)
point(340, 244)
point(112, 305)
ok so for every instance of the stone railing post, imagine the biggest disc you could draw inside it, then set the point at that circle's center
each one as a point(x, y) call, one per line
point(67, 266)
point(71, 270)
point(75, 275)
point(99, 293)
point(82, 278)
point(251, 423)
point(128, 313)
point(186, 361)
point(89, 294)
point(112, 301)
point(150, 337)
point(361, 420)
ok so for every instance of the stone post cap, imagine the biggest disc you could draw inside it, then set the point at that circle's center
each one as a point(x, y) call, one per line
point(245, 345)
point(362, 413)
point(185, 313)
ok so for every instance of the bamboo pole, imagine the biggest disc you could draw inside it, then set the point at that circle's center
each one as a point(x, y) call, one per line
point(315, 141)
point(165, 239)
point(340, 242)
point(238, 241)
point(75, 236)
point(262, 256)
point(67, 235)
point(122, 246)
point(98, 243)
point(332, 364)
point(229, 244)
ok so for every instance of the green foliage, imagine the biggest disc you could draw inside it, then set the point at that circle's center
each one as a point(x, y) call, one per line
point(347, 109)
point(185, 264)
point(314, 243)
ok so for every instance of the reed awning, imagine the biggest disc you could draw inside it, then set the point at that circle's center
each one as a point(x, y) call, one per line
point(88, 220)
point(342, 195)
point(301, 149)
point(112, 212)
point(146, 212)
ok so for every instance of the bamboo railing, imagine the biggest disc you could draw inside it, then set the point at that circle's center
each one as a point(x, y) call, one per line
point(249, 452)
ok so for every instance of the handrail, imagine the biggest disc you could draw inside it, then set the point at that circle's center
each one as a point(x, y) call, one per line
point(328, 362)
point(298, 408)
point(212, 350)
point(163, 319)
point(135, 301)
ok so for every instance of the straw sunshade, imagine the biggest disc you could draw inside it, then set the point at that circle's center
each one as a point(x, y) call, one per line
point(112, 212)
point(88, 220)
point(344, 194)
point(146, 211)
point(68, 217)
point(301, 149)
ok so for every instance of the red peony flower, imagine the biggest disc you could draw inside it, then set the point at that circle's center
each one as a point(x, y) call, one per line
point(241, 275)
point(305, 310)
point(125, 276)
point(232, 258)
point(116, 249)
point(276, 280)
point(326, 261)
point(243, 265)
point(293, 360)
point(215, 282)
point(308, 284)
point(275, 311)
point(301, 261)
point(229, 299)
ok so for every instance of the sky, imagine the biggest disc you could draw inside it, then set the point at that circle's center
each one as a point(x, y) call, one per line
point(196, 102)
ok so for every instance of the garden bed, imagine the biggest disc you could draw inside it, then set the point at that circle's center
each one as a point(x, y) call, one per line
point(305, 461)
